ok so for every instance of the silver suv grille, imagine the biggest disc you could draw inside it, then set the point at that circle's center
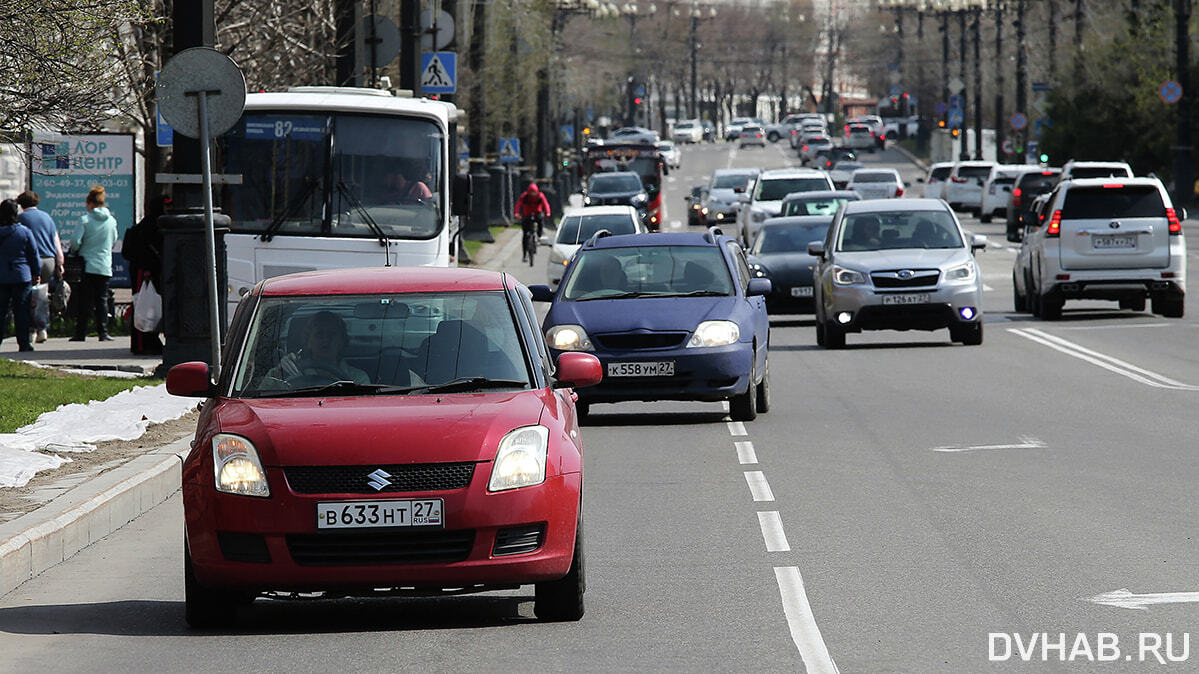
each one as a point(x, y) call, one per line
point(905, 278)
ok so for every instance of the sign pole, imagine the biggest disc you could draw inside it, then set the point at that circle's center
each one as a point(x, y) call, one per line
point(214, 317)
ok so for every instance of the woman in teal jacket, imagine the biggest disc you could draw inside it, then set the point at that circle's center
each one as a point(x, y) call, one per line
point(93, 241)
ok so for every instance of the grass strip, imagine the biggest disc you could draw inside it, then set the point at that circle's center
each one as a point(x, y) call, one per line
point(27, 391)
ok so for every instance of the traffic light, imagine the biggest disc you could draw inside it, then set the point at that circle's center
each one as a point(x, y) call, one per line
point(955, 133)
point(941, 123)
point(636, 100)
point(1044, 158)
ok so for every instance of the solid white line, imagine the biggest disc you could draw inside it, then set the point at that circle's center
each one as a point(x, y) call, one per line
point(804, 631)
point(1125, 369)
point(772, 532)
point(987, 288)
point(736, 428)
point(745, 452)
point(758, 487)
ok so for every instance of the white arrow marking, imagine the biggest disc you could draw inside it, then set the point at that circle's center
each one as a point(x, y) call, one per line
point(1025, 443)
point(1123, 598)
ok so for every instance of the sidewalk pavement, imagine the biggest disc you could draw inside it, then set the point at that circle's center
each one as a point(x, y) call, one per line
point(41, 539)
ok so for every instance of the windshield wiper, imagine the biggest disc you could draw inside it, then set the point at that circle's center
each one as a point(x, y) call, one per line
point(342, 386)
point(285, 215)
point(613, 296)
point(694, 293)
point(463, 384)
point(345, 193)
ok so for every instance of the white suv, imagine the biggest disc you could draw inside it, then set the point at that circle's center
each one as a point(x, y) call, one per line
point(964, 188)
point(997, 190)
point(1073, 170)
point(765, 199)
point(1103, 238)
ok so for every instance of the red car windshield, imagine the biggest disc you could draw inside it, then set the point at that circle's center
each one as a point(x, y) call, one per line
point(384, 340)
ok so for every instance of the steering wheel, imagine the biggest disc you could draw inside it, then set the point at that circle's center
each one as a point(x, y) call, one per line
point(313, 373)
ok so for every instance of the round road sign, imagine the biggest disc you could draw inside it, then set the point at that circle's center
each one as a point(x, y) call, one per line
point(1008, 146)
point(190, 72)
point(1170, 91)
point(1019, 121)
point(941, 107)
point(386, 43)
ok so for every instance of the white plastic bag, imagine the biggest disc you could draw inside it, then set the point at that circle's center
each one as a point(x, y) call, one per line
point(39, 305)
point(147, 308)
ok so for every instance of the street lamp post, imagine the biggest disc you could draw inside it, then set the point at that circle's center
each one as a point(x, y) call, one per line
point(978, 85)
point(695, 14)
point(999, 121)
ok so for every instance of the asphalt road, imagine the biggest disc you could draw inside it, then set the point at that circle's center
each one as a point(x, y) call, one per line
point(908, 505)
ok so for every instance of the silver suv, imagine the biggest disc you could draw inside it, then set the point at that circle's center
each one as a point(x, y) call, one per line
point(765, 198)
point(1106, 239)
point(897, 264)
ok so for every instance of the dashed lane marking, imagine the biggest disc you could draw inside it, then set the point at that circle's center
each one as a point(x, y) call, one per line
point(772, 532)
point(745, 452)
point(758, 486)
point(736, 428)
point(804, 631)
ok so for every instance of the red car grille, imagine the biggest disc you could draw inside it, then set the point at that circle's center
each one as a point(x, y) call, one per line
point(398, 478)
point(372, 547)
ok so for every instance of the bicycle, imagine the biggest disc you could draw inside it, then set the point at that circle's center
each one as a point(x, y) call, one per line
point(530, 227)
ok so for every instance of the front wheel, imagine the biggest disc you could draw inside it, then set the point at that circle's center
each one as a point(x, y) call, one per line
point(763, 389)
point(985, 218)
point(203, 607)
point(744, 407)
point(969, 334)
point(562, 600)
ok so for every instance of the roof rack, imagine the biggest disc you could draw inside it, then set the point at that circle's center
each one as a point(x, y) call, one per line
point(596, 237)
point(713, 232)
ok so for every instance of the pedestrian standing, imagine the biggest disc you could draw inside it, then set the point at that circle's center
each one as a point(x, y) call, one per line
point(19, 267)
point(93, 241)
point(142, 248)
point(45, 238)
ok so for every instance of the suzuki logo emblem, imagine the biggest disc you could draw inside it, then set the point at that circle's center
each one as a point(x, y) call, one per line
point(378, 479)
point(1114, 224)
point(905, 274)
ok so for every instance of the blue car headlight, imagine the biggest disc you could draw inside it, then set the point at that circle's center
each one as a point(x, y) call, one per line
point(715, 333)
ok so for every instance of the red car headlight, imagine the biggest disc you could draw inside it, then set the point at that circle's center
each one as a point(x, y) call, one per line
point(236, 466)
point(520, 459)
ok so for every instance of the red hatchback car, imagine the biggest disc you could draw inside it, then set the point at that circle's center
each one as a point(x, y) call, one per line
point(384, 431)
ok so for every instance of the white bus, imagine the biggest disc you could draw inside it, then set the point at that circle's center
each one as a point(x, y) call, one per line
point(339, 177)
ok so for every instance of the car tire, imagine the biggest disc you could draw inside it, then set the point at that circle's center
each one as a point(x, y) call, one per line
point(744, 406)
point(1169, 307)
point(562, 600)
point(1019, 300)
point(772, 137)
point(834, 336)
point(985, 218)
point(1134, 304)
point(763, 389)
point(819, 332)
point(968, 334)
point(1051, 308)
point(205, 607)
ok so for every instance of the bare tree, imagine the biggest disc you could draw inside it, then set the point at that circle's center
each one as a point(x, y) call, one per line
point(59, 65)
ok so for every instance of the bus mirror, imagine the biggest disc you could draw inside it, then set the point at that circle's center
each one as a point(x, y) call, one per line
point(460, 199)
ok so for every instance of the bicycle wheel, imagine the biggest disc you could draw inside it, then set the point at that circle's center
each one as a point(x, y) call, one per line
point(530, 246)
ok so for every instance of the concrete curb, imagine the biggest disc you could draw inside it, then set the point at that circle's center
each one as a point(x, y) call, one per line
point(923, 165)
point(54, 533)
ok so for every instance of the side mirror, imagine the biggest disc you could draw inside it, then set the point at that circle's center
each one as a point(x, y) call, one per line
point(1181, 213)
point(687, 198)
point(576, 370)
point(460, 199)
point(189, 380)
point(758, 287)
point(545, 241)
point(978, 242)
point(743, 198)
point(542, 293)
point(816, 249)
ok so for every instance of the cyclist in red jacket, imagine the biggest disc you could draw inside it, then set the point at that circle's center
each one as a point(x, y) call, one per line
point(531, 209)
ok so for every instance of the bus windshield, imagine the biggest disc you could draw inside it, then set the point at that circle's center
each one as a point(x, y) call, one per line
point(336, 174)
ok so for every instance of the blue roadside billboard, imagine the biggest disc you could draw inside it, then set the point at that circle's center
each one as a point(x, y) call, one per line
point(65, 167)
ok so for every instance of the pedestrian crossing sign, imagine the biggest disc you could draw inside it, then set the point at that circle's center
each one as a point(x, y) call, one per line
point(510, 149)
point(438, 72)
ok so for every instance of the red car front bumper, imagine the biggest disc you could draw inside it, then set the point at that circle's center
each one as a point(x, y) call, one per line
point(253, 543)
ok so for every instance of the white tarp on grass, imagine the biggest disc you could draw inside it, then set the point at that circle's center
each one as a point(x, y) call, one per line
point(72, 428)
